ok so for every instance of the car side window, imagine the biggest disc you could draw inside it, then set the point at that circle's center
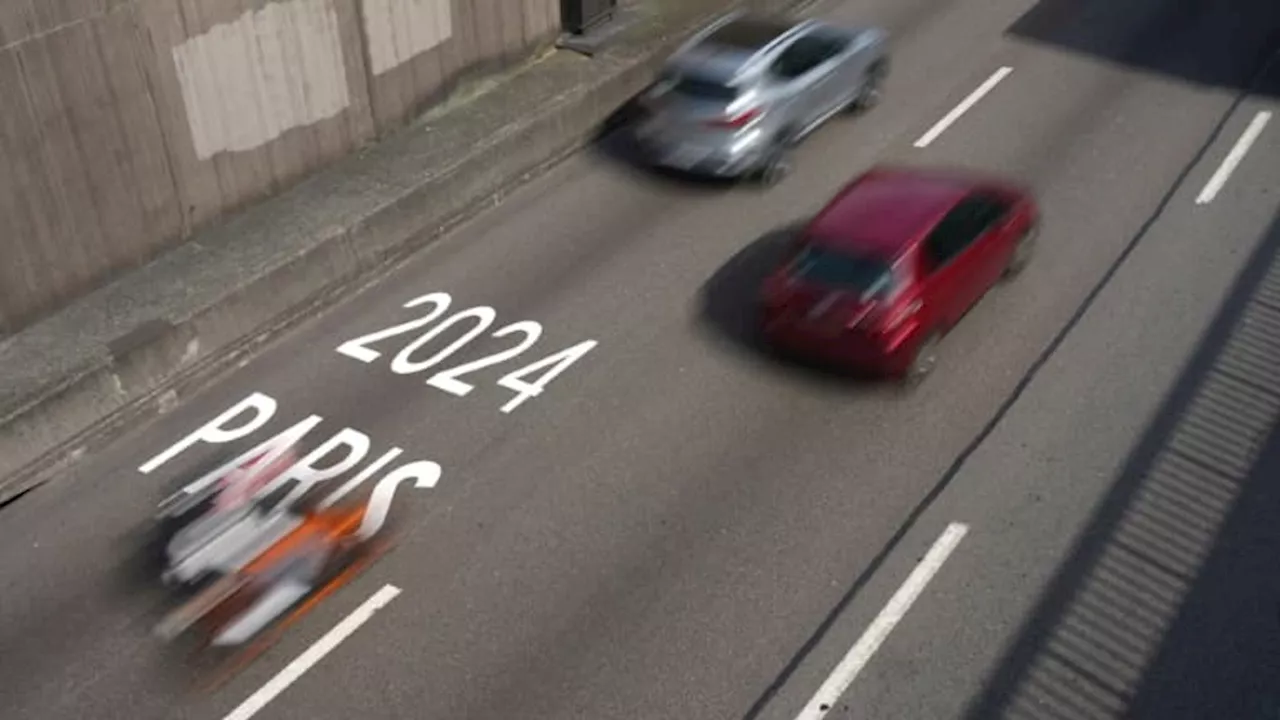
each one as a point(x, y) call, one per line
point(802, 56)
point(966, 222)
point(832, 44)
point(988, 210)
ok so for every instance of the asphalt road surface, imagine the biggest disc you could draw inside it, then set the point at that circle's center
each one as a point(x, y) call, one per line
point(680, 527)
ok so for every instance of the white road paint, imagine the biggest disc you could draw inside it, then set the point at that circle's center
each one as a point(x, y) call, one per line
point(247, 82)
point(1233, 158)
point(860, 654)
point(521, 380)
point(398, 30)
point(965, 105)
point(275, 463)
point(220, 429)
point(314, 654)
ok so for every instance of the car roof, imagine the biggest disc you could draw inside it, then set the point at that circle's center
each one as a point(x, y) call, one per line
point(721, 67)
point(884, 210)
point(734, 43)
point(748, 33)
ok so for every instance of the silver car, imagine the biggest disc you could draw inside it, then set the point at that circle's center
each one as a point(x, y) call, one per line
point(741, 92)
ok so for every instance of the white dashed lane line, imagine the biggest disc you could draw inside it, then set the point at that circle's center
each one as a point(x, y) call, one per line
point(965, 105)
point(1233, 158)
point(314, 654)
point(860, 654)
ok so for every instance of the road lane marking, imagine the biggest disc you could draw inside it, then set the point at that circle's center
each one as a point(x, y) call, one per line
point(1233, 158)
point(277, 462)
point(314, 654)
point(964, 107)
point(860, 654)
point(482, 318)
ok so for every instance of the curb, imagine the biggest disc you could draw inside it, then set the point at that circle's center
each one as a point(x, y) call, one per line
point(142, 375)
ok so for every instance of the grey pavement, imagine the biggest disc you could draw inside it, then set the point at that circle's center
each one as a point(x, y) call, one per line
point(680, 527)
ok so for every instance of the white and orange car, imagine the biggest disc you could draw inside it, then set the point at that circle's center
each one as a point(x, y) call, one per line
point(249, 558)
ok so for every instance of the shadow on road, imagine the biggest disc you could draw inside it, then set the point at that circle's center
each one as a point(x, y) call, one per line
point(727, 300)
point(1169, 605)
point(1217, 43)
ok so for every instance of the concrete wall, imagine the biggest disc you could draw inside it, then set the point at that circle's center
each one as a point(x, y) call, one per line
point(125, 125)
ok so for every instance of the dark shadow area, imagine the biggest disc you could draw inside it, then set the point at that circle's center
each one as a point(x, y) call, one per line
point(727, 312)
point(727, 300)
point(1218, 43)
point(1221, 658)
point(1169, 605)
point(614, 141)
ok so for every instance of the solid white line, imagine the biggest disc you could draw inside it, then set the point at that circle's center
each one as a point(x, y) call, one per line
point(1233, 158)
point(963, 107)
point(860, 654)
point(313, 654)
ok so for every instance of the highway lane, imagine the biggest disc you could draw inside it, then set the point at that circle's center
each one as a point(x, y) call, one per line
point(1073, 452)
point(659, 532)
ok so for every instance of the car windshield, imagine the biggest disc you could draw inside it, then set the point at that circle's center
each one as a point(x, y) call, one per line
point(870, 276)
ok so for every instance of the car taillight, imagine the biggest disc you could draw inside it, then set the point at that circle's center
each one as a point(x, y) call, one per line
point(735, 121)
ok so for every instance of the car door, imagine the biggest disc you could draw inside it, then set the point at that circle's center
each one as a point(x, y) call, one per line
point(807, 69)
point(850, 61)
point(953, 270)
point(991, 218)
point(1012, 224)
point(842, 68)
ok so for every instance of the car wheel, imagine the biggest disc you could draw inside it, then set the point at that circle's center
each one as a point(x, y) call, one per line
point(869, 94)
point(924, 360)
point(776, 166)
point(1022, 251)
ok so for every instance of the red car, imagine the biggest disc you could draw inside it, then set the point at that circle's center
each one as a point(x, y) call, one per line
point(892, 263)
